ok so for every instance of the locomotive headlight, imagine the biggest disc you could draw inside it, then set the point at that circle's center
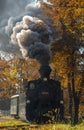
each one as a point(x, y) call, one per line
point(32, 86)
point(28, 101)
point(61, 102)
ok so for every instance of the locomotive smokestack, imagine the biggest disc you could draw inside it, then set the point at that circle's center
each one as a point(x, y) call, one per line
point(45, 71)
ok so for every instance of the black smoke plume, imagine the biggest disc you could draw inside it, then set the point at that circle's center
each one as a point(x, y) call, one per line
point(27, 33)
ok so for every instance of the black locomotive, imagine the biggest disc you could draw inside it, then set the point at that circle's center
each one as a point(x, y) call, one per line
point(42, 99)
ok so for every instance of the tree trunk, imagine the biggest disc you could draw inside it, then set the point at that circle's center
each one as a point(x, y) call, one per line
point(70, 100)
point(76, 99)
point(73, 99)
point(76, 108)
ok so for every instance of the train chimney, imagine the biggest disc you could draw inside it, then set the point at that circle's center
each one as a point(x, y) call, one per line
point(45, 71)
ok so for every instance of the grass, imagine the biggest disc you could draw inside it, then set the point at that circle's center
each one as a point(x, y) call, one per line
point(7, 123)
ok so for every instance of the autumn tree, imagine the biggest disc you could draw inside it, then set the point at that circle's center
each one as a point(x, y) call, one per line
point(20, 71)
point(3, 82)
point(67, 17)
point(15, 73)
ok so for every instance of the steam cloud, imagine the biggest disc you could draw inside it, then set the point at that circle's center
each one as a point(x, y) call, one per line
point(28, 33)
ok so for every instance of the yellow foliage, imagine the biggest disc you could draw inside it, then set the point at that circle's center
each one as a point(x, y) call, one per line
point(69, 12)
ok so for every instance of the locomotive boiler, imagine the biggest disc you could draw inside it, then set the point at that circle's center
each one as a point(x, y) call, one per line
point(41, 98)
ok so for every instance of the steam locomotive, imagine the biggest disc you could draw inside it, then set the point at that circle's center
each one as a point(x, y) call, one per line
point(42, 99)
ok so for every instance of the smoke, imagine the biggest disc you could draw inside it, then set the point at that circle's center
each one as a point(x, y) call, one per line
point(11, 12)
point(32, 35)
point(25, 32)
point(41, 52)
